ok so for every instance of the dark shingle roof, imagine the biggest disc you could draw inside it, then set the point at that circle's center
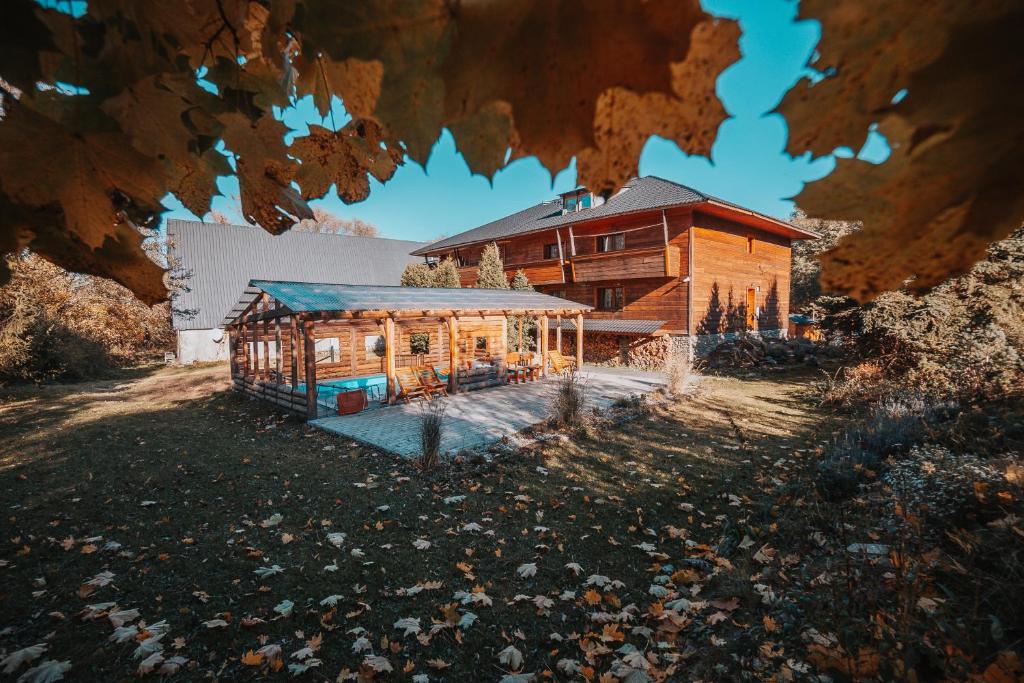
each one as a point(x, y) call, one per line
point(613, 325)
point(300, 297)
point(222, 259)
point(640, 194)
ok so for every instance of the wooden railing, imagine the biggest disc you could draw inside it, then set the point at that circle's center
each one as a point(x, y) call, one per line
point(627, 264)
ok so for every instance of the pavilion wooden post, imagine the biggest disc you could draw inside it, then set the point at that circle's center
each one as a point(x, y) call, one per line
point(519, 332)
point(543, 346)
point(309, 345)
point(265, 307)
point(453, 354)
point(558, 333)
point(295, 350)
point(579, 341)
point(279, 355)
point(244, 341)
point(389, 358)
point(233, 350)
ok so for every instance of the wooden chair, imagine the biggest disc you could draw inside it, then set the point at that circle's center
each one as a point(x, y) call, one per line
point(558, 360)
point(559, 365)
point(409, 385)
point(429, 379)
point(514, 370)
point(532, 369)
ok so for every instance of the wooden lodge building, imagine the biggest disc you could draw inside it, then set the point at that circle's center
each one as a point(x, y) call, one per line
point(659, 263)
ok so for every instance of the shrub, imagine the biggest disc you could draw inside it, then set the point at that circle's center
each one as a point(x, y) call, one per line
point(570, 399)
point(419, 343)
point(431, 429)
point(678, 370)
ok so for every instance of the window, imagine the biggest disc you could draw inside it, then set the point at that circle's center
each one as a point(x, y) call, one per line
point(328, 350)
point(616, 242)
point(480, 343)
point(374, 346)
point(750, 245)
point(610, 299)
point(551, 251)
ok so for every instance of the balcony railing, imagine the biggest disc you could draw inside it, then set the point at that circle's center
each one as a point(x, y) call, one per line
point(627, 264)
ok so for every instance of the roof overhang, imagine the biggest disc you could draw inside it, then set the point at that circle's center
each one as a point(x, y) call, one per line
point(717, 207)
point(623, 326)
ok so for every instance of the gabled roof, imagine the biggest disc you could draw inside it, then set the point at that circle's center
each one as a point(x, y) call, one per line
point(640, 194)
point(305, 297)
point(222, 259)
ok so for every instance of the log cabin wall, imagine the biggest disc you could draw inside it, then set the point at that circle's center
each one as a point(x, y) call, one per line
point(723, 263)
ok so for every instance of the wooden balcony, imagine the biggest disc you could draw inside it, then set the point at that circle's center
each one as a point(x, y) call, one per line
point(547, 272)
point(629, 264)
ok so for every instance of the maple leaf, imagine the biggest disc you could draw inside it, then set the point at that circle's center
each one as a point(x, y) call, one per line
point(511, 657)
point(215, 623)
point(46, 671)
point(274, 520)
point(121, 617)
point(410, 625)
point(122, 634)
point(266, 572)
point(420, 544)
point(22, 656)
point(171, 665)
point(378, 663)
point(343, 158)
point(527, 570)
point(150, 663)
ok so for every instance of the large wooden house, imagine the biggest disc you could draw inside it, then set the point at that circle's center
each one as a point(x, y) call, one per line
point(661, 264)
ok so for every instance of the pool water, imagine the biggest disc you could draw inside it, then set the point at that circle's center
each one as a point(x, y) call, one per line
point(375, 387)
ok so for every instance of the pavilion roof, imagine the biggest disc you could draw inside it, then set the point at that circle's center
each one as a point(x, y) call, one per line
point(306, 297)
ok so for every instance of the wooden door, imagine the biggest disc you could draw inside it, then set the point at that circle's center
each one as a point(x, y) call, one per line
point(751, 307)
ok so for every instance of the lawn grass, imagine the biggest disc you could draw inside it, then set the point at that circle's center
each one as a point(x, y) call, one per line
point(182, 474)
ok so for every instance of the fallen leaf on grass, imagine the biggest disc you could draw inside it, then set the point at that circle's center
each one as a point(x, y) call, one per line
point(410, 625)
point(22, 656)
point(265, 572)
point(46, 672)
point(511, 657)
point(527, 570)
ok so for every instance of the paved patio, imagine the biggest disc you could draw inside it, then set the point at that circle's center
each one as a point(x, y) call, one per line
point(481, 417)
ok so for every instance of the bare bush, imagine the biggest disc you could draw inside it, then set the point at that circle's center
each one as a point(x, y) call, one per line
point(431, 431)
point(570, 399)
point(678, 371)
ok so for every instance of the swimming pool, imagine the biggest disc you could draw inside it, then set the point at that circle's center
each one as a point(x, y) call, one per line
point(327, 391)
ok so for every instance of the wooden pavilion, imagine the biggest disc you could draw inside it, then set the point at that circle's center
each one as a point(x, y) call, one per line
point(290, 339)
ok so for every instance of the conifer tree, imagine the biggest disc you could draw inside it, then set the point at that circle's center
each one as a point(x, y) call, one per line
point(490, 273)
point(417, 275)
point(446, 274)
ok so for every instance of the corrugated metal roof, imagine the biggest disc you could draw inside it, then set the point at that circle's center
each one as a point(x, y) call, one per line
point(300, 297)
point(222, 259)
point(639, 194)
point(614, 326)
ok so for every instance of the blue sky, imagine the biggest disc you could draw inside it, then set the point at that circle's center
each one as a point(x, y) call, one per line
point(748, 164)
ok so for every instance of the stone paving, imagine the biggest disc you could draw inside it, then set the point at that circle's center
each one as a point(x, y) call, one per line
point(482, 417)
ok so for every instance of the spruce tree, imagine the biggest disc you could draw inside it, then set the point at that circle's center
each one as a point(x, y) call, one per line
point(490, 273)
point(446, 274)
point(521, 283)
point(417, 275)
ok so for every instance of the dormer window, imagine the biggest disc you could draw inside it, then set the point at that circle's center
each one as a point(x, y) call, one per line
point(577, 200)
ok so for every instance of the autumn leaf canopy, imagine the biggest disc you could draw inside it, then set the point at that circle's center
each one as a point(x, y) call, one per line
point(106, 113)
